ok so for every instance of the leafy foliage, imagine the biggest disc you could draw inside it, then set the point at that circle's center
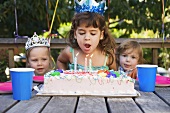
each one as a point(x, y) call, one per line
point(3, 64)
point(32, 16)
point(36, 15)
point(145, 15)
point(164, 58)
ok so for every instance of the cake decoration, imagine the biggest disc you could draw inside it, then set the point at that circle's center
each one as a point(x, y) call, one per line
point(90, 63)
point(96, 74)
point(75, 62)
point(98, 83)
point(85, 63)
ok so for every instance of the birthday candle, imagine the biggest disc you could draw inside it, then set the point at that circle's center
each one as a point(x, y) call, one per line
point(75, 63)
point(85, 63)
point(90, 63)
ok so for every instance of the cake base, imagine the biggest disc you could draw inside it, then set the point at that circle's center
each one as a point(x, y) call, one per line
point(97, 83)
point(42, 93)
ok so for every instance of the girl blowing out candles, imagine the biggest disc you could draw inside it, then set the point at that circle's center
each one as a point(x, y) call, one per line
point(89, 35)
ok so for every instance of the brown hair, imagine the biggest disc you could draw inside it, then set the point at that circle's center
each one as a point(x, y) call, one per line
point(107, 44)
point(129, 44)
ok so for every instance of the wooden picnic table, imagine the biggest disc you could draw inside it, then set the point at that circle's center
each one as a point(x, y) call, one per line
point(149, 102)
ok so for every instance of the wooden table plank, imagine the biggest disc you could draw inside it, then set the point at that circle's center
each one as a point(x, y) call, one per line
point(163, 93)
point(61, 105)
point(6, 102)
point(34, 105)
point(13, 104)
point(151, 103)
point(122, 105)
point(157, 102)
point(89, 104)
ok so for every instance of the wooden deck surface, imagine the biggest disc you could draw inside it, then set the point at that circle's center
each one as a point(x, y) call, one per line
point(148, 102)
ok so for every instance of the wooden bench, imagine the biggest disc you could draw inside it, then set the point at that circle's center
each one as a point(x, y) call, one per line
point(153, 43)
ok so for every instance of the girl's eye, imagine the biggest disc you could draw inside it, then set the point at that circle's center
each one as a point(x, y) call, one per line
point(81, 33)
point(133, 57)
point(93, 33)
point(124, 55)
point(34, 60)
point(44, 59)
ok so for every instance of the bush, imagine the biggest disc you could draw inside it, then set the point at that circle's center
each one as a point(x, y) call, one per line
point(3, 64)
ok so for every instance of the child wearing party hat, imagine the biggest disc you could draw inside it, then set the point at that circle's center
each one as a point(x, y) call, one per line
point(38, 54)
point(90, 44)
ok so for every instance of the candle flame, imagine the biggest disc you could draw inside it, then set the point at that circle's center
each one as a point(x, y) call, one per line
point(91, 56)
point(87, 55)
point(77, 54)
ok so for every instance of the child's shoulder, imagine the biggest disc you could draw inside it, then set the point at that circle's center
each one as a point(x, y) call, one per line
point(67, 50)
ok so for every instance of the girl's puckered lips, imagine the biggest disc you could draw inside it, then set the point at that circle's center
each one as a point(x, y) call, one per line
point(87, 45)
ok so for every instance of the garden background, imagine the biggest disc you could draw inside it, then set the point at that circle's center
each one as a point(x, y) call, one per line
point(126, 19)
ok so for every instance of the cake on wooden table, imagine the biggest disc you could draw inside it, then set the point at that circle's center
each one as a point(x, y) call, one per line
point(101, 83)
point(87, 81)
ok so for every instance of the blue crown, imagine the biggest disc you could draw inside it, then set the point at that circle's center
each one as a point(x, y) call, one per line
point(91, 6)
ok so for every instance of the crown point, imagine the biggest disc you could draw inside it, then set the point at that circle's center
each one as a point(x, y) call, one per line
point(91, 6)
point(36, 41)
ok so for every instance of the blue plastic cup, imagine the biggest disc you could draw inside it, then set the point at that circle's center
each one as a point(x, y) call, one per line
point(147, 76)
point(22, 79)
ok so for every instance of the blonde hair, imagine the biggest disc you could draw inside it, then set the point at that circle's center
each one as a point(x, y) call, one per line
point(130, 44)
point(52, 62)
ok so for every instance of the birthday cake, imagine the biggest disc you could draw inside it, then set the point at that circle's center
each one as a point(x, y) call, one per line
point(101, 83)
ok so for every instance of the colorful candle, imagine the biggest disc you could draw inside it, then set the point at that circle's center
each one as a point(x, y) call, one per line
point(75, 63)
point(90, 63)
point(85, 63)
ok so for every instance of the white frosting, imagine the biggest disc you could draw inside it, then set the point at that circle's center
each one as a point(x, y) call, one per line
point(85, 84)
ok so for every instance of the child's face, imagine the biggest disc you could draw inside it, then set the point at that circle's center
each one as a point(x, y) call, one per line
point(129, 59)
point(39, 60)
point(88, 38)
